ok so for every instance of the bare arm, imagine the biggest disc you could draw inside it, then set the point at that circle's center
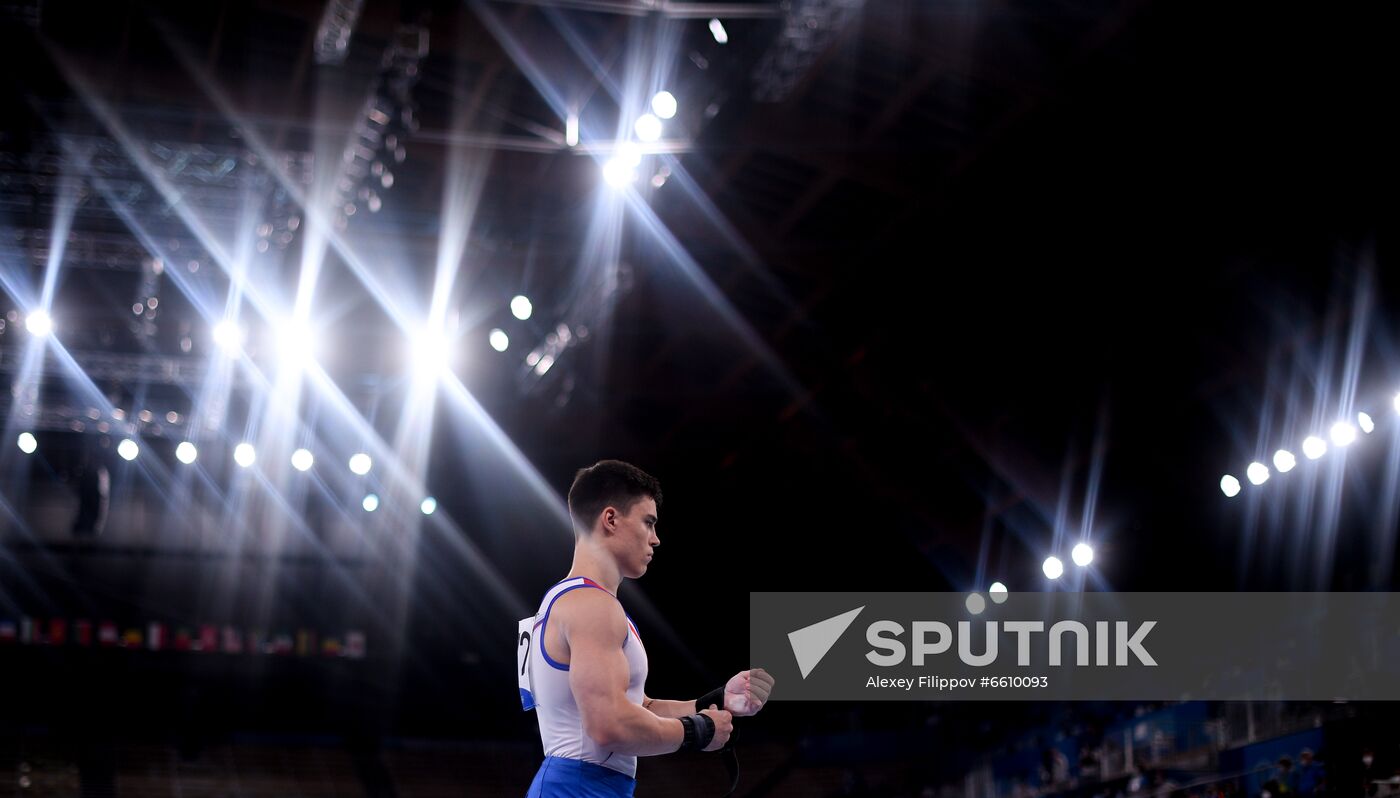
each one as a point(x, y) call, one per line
point(663, 708)
point(594, 627)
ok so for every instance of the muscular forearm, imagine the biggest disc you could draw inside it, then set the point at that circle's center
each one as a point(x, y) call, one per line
point(663, 708)
point(633, 730)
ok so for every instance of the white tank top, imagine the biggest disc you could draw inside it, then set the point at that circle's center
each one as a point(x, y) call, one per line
point(561, 724)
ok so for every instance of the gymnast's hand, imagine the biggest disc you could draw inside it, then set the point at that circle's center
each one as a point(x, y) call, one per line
point(747, 692)
point(724, 726)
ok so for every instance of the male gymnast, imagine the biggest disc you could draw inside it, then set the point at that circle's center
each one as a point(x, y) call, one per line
point(587, 666)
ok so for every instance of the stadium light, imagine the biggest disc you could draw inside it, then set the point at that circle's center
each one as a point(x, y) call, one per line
point(360, 463)
point(1082, 554)
point(186, 452)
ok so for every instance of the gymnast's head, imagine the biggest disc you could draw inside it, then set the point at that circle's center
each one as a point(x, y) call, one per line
point(614, 507)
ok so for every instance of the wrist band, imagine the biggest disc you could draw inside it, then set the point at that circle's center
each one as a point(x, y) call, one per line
point(699, 730)
point(687, 733)
point(715, 696)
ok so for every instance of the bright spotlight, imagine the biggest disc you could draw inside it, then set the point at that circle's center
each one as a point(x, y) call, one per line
point(431, 353)
point(1257, 473)
point(1052, 567)
point(499, 340)
point(1366, 423)
point(302, 460)
point(664, 104)
point(1342, 434)
point(621, 169)
point(27, 442)
point(1396, 402)
point(297, 344)
point(1082, 554)
point(361, 464)
point(1230, 486)
point(717, 30)
point(648, 127)
point(228, 336)
point(1314, 447)
point(371, 503)
point(617, 172)
point(186, 453)
point(128, 449)
point(244, 454)
point(429, 506)
point(998, 592)
point(1284, 461)
point(520, 307)
point(39, 323)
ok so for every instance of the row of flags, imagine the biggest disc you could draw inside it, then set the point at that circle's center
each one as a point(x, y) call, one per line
point(155, 636)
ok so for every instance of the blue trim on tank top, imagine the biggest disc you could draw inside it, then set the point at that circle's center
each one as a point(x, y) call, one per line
point(544, 621)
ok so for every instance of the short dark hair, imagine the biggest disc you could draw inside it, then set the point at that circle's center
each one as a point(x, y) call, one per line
point(609, 483)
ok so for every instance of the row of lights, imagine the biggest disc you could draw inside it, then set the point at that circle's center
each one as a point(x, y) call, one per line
point(648, 127)
point(245, 456)
point(1342, 434)
point(229, 336)
point(521, 308)
point(621, 168)
point(976, 604)
point(1082, 554)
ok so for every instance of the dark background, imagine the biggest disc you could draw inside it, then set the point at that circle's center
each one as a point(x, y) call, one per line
point(1017, 274)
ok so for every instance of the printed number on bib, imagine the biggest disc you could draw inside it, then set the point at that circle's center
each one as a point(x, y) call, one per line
point(523, 639)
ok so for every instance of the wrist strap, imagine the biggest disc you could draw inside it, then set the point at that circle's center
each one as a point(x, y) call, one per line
point(698, 730)
point(687, 733)
point(715, 696)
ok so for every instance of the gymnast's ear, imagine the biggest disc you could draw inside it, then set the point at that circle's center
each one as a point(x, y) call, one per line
point(609, 519)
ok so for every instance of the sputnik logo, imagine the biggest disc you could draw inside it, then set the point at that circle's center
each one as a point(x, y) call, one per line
point(810, 643)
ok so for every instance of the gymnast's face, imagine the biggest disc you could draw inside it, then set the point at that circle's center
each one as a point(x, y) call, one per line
point(632, 535)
